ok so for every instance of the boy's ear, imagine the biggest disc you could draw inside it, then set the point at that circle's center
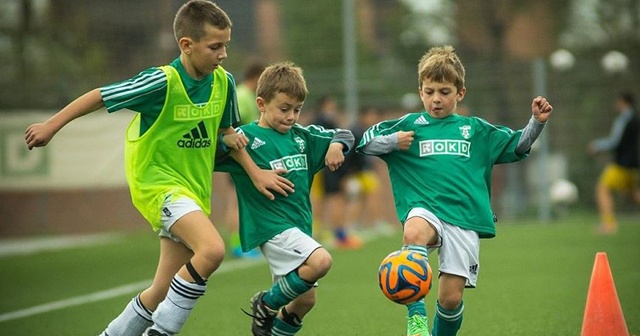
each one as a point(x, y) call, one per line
point(185, 45)
point(261, 104)
point(461, 94)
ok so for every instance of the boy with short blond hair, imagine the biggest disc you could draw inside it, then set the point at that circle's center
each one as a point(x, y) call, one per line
point(440, 165)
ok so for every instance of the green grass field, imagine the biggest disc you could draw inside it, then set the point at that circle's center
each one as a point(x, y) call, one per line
point(534, 280)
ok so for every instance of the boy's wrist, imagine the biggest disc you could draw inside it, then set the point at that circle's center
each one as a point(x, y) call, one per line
point(221, 142)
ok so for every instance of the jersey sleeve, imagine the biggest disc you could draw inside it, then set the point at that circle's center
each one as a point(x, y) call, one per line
point(144, 93)
point(379, 138)
point(318, 141)
point(503, 142)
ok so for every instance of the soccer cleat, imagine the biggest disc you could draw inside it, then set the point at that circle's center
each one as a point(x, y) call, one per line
point(153, 332)
point(417, 326)
point(263, 316)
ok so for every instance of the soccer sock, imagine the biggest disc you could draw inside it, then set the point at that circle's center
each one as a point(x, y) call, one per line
point(447, 322)
point(285, 290)
point(417, 248)
point(289, 325)
point(609, 220)
point(173, 311)
point(134, 319)
point(417, 308)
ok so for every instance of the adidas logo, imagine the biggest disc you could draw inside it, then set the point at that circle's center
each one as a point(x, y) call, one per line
point(257, 143)
point(196, 138)
point(421, 121)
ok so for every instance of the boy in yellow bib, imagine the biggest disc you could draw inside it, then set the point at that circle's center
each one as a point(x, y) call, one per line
point(169, 159)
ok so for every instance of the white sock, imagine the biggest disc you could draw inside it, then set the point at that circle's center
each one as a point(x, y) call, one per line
point(133, 320)
point(173, 311)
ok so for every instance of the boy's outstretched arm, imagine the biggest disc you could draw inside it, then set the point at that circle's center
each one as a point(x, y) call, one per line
point(38, 135)
point(263, 179)
point(540, 112)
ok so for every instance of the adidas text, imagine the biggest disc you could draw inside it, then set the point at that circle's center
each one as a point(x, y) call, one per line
point(197, 143)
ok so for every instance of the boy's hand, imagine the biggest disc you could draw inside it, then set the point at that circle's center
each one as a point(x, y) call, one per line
point(266, 180)
point(405, 139)
point(38, 135)
point(235, 141)
point(541, 109)
point(335, 156)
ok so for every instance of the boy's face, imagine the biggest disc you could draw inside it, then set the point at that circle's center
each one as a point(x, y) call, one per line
point(203, 57)
point(281, 113)
point(440, 99)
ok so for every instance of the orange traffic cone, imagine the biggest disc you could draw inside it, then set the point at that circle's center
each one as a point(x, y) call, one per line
point(603, 313)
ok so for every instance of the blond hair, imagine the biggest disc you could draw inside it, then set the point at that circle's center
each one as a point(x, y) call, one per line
point(282, 77)
point(441, 64)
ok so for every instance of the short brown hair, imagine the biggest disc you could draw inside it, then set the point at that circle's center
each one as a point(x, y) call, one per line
point(192, 17)
point(282, 77)
point(441, 64)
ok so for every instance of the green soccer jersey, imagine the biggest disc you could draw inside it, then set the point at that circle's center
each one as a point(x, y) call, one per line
point(146, 92)
point(301, 151)
point(447, 169)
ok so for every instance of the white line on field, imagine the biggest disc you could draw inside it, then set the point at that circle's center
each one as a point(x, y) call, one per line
point(25, 246)
point(111, 293)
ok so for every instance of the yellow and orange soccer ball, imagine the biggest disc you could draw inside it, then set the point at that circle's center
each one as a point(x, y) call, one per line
point(405, 276)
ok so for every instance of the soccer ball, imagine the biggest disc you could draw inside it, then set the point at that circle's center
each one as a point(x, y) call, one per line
point(404, 276)
point(563, 192)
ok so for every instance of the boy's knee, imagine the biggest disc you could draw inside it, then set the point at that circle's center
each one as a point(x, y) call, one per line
point(317, 265)
point(450, 302)
point(322, 262)
point(213, 254)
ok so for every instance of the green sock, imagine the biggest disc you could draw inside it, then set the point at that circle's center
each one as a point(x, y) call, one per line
point(417, 308)
point(447, 322)
point(285, 290)
point(282, 328)
point(417, 248)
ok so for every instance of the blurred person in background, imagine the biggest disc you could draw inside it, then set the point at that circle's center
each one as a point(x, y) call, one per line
point(328, 194)
point(364, 204)
point(621, 174)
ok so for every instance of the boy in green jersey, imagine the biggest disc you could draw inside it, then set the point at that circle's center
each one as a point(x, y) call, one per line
point(169, 159)
point(440, 165)
point(282, 229)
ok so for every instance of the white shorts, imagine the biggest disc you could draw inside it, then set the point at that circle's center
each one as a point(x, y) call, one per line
point(459, 249)
point(172, 211)
point(288, 250)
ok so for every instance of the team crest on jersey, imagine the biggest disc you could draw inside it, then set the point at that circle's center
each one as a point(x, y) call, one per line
point(291, 162)
point(300, 143)
point(465, 131)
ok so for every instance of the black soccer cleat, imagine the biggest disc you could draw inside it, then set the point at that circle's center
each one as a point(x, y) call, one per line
point(263, 316)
